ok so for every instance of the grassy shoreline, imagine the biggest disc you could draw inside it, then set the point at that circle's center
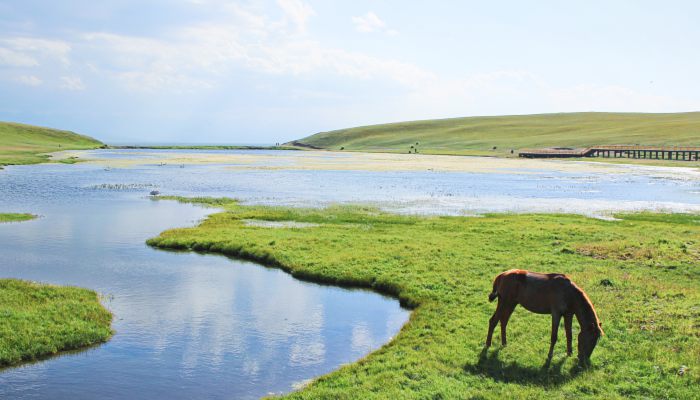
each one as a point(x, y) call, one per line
point(499, 135)
point(640, 273)
point(500, 155)
point(40, 320)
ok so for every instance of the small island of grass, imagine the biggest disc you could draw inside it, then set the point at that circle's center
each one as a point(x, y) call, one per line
point(640, 272)
point(16, 217)
point(39, 320)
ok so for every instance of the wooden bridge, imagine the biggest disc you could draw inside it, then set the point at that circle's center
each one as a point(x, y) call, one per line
point(618, 151)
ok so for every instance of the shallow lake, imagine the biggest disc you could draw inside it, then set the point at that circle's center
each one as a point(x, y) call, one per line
point(187, 325)
point(191, 325)
point(403, 183)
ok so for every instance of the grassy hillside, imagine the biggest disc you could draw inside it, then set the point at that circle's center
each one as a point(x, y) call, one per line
point(640, 272)
point(479, 135)
point(27, 144)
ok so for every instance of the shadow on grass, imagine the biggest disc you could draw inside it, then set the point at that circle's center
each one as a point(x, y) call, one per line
point(550, 374)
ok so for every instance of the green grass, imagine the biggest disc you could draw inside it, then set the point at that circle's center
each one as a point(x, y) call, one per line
point(479, 135)
point(27, 144)
point(38, 320)
point(13, 217)
point(641, 273)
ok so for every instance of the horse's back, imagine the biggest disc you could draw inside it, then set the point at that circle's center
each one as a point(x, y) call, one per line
point(537, 292)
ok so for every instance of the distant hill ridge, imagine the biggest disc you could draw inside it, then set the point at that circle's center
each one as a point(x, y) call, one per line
point(479, 135)
point(27, 144)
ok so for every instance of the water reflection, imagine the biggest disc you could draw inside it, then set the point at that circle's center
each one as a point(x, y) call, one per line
point(188, 325)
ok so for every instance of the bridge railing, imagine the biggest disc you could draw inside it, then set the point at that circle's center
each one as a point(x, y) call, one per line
point(622, 147)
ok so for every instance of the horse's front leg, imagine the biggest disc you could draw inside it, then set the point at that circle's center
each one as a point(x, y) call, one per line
point(505, 316)
point(556, 318)
point(567, 327)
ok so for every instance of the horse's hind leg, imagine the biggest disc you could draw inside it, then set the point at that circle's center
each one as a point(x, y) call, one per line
point(504, 317)
point(493, 322)
point(567, 328)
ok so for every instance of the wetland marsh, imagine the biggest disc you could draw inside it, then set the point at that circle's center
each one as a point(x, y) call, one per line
point(190, 324)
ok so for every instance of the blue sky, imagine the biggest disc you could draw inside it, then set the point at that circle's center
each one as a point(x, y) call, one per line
point(213, 71)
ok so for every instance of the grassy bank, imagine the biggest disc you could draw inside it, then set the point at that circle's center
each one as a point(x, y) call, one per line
point(479, 135)
point(640, 272)
point(27, 144)
point(41, 320)
point(13, 217)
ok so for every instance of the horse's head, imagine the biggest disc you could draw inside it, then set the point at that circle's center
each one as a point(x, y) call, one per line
point(588, 339)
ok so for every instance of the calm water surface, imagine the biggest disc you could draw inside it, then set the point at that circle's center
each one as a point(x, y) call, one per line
point(193, 326)
point(188, 325)
point(587, 192)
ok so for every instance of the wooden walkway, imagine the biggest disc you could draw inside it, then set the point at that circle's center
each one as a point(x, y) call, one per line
point(618, 151)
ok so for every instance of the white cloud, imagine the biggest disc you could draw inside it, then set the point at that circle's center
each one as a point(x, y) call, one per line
point(38, 48)
point(72, 83)
point(370, 22)
point(198, 56)
point(297, 11)
point(29, 80)
point(251, 38)
point(11, 58)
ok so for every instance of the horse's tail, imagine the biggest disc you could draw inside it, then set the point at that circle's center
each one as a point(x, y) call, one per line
point(494, 292)
point(493, 295)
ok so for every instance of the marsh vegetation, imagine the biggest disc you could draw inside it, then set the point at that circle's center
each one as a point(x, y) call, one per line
point(39, 320)
point(16, 217)
point(640, 272)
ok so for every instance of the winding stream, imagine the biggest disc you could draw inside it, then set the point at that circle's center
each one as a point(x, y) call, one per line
point(187, 325)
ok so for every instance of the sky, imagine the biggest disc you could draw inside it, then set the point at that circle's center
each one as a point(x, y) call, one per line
point(267, 71)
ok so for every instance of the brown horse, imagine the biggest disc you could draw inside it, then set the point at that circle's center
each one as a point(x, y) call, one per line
point(553, 294)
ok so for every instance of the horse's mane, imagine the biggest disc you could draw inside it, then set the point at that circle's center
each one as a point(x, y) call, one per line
point(590, 308)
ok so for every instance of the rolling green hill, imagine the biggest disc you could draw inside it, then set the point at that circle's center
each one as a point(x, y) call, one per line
point(479, 135)
point(27, 144)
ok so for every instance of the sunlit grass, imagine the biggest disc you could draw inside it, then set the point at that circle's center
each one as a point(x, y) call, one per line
point(27, 144)
point(15, 217)
point(498, 135)
point(38, 320)
point(648, 301)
